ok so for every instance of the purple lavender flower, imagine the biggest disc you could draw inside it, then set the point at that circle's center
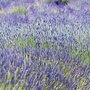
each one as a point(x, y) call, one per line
point(52, 50)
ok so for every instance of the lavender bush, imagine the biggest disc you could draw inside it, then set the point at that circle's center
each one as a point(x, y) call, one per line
point(44, 46)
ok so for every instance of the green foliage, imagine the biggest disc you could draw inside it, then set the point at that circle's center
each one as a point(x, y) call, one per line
point(67, 72)
point(65, 69)
point(21, 87)
point(20, 42)
point(28, 42)
point(64, 1)
point(26, 59)
point(16, 72)
point(20, 10)
point(8, 87)
point(49, 1)
point(31, 42)
point(82, 81)
point(45, 88)
point(9, 75)
point(15, 87)
point(2, 86)
point(58, 86)
point(1, 12)
point(60, 1)
point(45, 44)
point(82, 55)
point(23, 43)
point(85, 57)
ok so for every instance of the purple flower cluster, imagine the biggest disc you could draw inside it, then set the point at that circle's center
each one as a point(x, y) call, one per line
point(56, 31)
point(7, 3)
point(39, 69)
point(41, 50)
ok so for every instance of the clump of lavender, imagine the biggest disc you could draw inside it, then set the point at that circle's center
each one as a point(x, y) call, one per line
point(48, 52)
point(40, 69)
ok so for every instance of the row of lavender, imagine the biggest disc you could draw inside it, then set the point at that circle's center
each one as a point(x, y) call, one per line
point(56, 30)
point(48, 52)
point(46, 31)
point(42, 69)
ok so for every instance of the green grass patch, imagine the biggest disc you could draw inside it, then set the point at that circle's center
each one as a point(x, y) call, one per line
point(20, 10)
point(20, 42)
point(28, 42)
point(82, 55)
point(31, 42)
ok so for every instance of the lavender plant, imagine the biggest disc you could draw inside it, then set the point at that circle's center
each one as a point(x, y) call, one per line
point(27, 70)
point(47, 52)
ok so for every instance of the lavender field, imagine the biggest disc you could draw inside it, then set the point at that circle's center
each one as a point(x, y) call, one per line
point(44, 44)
